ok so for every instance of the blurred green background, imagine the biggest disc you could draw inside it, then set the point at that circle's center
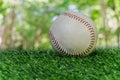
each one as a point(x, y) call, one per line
point(25, 23)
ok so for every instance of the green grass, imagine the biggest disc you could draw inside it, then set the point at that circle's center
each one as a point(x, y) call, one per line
point(102, 64)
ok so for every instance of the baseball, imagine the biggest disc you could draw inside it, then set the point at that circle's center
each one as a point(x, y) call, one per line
point(73, 33)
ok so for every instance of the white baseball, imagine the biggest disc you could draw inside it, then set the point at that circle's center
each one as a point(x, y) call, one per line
point(73, 33)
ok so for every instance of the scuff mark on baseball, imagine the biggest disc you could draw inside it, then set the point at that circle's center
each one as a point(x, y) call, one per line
point(73, 33)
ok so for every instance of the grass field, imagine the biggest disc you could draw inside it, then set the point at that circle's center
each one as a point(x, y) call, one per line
point(42, 64)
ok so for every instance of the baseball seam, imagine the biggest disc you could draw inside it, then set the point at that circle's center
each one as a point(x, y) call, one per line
point(84, 22)
point(56, 43)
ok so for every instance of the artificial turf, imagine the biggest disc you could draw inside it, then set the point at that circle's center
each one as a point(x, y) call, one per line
point(45, 64)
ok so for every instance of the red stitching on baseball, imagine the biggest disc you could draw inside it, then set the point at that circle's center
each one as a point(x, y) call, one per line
point(90, 28)
point(92, 37)
point(92, 41)
point(91, 31)
point(56, 44)
point(59, 48)
point(92, 34)
point(86, 23)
